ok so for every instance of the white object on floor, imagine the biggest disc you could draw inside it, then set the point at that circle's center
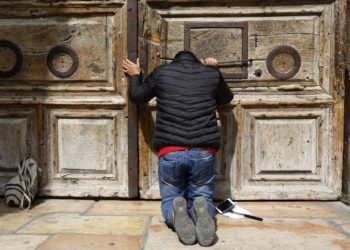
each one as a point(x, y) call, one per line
point(236, 209)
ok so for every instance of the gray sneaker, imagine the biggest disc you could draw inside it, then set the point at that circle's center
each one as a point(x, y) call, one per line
point(205, 225)
point(183, 224)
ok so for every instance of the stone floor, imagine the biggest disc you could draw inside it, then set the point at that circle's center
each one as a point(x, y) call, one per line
point(121, 224)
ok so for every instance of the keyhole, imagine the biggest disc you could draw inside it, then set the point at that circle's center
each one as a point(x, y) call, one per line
point(258, 73)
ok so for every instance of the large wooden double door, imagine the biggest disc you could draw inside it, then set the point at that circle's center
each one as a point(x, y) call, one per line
point(63, 95)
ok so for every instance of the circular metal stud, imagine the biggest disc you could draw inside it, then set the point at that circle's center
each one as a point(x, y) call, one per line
point(19, 58)
point(283, 62)
point(62, 49)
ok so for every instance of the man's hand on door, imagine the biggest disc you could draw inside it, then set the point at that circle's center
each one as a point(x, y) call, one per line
point(131, 68)
point(210, 61)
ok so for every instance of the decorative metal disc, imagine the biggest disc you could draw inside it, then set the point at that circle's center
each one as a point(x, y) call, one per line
point(62, 49)
point(283, 62)
point(19, 58)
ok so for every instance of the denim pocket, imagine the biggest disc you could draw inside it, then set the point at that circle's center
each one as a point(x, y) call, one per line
point(168, 171)
point(204, 169)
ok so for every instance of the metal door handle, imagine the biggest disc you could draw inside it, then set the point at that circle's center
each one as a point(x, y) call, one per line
point(241, 63)
point(224, 64)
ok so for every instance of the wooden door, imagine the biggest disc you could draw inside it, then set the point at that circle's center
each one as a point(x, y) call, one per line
point(346, 170)
point(282, 135)
point(63, 96)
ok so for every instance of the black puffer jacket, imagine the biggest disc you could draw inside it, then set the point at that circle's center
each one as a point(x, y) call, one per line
point(187, 93)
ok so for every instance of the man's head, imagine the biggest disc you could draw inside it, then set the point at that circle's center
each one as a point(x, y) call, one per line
point(190, 55)
point(184, 52)
point(186, 55)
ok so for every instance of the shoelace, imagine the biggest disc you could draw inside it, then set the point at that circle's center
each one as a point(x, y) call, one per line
point(26, 180)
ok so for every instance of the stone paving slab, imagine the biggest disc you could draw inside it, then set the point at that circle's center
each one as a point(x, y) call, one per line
point(343, 223)
point(280, 209)
point(51, 205)
point(115, 207)
point(125, 224)
point(273, 233)
point(10, 222)
point(82, 224)
point(92, 242)
point(21, 242)
point(341, 209)
point(282, 233)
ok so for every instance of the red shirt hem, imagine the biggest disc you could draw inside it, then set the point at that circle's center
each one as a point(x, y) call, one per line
point(169, 149)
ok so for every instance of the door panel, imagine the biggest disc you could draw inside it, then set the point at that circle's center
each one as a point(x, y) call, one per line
point(252, 39)
point(85, 151)
point(279, 134)
point(346, 170)
point(229, 38)
point(92, 34)
point(285, 149)
point(19, 139)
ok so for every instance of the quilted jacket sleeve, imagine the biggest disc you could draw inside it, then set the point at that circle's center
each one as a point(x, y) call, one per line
point(223, 94)
point(141, 92)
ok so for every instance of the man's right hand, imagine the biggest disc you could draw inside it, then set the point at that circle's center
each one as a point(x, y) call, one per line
point(131, 68)
point(211, 61)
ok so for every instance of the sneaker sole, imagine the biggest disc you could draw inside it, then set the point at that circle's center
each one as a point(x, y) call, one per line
point(183, 224)
point(205, 225)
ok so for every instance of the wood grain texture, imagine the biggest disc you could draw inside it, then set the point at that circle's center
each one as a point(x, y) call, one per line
point(285, 136)
point(79, 129)
point(346, 170)
point(266, 31)
point(18, 139)
point(338, 95)
point(38, 8)
point(132, 129)
point(85, 153)
point(264, 153)
point(91, 38)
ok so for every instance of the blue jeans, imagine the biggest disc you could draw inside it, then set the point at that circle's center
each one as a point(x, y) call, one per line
point(187, 173)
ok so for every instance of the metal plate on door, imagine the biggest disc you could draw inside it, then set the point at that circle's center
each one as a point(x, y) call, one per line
point(226, 41)
point(283, 62)
point(56, 51)
point(11, 46)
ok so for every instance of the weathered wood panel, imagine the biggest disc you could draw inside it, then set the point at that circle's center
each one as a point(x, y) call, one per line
point(41, 8)
point(285, 149)
point(286, 135)
point(225, 41)
point(18, 139)
point(338, 93)
point(86, 153)
point(92, 38)
point(264, 35)
point(346, 170)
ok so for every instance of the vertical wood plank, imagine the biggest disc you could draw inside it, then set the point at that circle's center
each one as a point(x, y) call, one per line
point(338, 94)
point(346, 169)
point(346, 172)
point(132, 109)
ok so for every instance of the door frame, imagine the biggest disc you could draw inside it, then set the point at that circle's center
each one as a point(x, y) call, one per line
point(133, 163)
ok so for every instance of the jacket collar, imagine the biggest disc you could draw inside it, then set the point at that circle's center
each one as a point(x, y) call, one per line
point(185, 56)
